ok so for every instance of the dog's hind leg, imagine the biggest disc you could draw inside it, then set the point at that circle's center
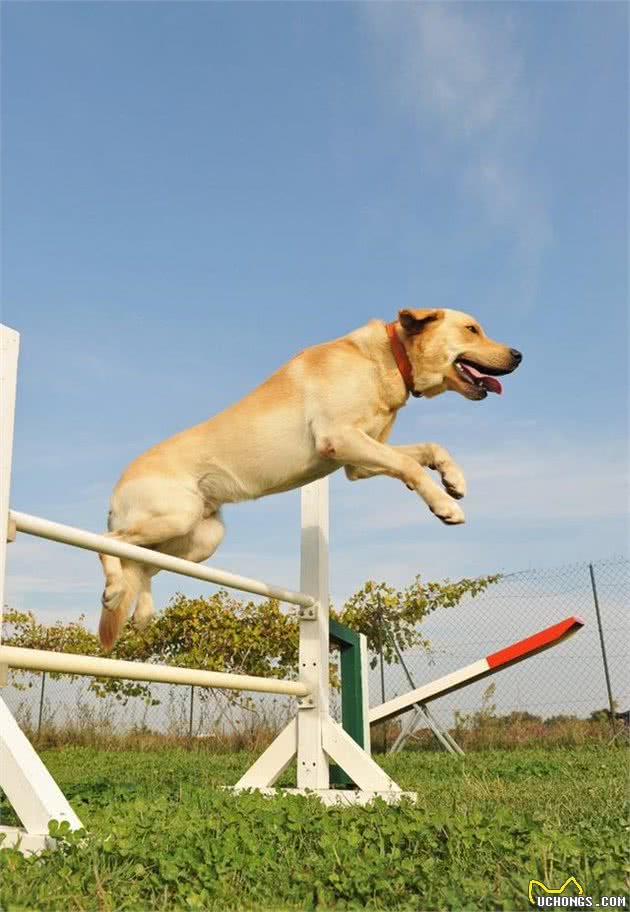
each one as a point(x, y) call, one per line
point(197, 546)
point(123, 580)
point(203, 540)
point(172, 513)
point(117, 609)
point(145, 609)
point(114, 586)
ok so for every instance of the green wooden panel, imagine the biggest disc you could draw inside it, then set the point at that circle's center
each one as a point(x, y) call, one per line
point(349, 644)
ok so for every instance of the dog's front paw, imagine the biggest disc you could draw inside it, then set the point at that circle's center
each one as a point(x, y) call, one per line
point(448, 511)
point(454, 482)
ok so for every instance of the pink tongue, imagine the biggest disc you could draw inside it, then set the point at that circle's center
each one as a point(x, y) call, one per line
point(492, 384)
point(489, 383)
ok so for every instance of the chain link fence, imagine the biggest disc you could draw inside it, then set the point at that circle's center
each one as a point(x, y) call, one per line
point(587, 673)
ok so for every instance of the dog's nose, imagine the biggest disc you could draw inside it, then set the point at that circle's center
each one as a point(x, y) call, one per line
point(517, 355)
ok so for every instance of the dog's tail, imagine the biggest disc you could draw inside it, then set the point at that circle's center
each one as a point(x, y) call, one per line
point(118, 599)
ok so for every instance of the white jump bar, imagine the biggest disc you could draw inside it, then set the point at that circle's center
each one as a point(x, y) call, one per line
point(69, 663)
point(69, 535)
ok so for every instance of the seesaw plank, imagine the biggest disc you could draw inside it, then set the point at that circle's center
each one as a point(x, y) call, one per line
point(496, 661)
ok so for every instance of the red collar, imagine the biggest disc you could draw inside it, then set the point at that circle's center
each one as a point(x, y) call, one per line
point(402, 358)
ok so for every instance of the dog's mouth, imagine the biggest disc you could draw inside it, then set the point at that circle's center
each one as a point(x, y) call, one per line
point(477, 378)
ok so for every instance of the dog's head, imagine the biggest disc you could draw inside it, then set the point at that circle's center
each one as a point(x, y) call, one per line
point(449, 350)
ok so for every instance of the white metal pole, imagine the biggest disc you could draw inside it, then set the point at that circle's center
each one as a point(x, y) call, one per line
point(91, 541)
point(312, 761)
point(70, 663)
point(9, 348)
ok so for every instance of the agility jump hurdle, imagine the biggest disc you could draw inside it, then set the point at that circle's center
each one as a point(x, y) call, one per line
point(313, 737)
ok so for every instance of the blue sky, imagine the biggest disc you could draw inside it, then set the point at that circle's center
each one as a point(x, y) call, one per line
point(193, 192)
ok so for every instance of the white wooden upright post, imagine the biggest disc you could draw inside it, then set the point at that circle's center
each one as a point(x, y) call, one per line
point(9, 347)
point(30, 789)
point(312, 761)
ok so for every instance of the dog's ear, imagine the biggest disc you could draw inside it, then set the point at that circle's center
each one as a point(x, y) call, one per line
point(414, 321)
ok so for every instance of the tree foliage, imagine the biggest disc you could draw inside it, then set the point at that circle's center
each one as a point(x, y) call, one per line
point(387, 615)
point(20, 628)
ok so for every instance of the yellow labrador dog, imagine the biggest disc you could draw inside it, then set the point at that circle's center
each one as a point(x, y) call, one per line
point(333, 405)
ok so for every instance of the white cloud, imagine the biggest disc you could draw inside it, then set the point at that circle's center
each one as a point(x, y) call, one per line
point(458, 72)
point(455, 67)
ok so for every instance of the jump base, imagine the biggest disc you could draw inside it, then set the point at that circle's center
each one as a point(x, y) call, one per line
point(338, 797)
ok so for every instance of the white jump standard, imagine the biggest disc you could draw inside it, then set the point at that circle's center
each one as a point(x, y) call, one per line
point(313, 736)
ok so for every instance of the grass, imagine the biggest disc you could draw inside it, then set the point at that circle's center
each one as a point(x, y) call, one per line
point(163, 835)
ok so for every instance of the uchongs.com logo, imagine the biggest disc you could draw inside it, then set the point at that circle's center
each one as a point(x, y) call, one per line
point(573, 898)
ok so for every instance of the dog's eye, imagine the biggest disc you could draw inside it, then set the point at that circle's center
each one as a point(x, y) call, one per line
point(473, 329)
